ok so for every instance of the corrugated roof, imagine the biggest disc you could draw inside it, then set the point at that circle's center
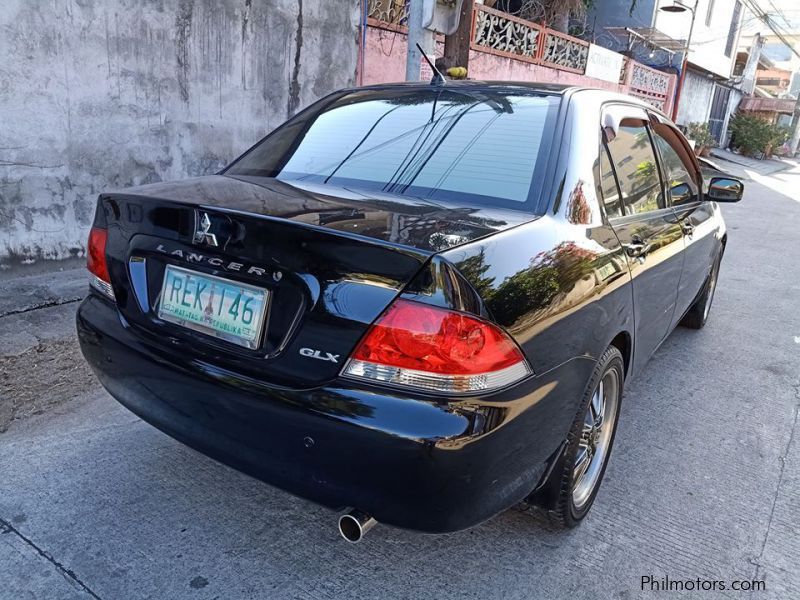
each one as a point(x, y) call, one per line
point(780, 105)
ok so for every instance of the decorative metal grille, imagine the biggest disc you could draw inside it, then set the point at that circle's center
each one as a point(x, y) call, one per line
point(500, 32)
point(565, 52)
point(649, 80)
point(394, 12)
point(657, 102)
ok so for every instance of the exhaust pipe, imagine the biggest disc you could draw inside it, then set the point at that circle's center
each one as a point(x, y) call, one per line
point(355, 524)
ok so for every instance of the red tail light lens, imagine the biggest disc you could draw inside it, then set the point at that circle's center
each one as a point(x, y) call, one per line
point(96, 261)
point(96, 254)
point(422, 346)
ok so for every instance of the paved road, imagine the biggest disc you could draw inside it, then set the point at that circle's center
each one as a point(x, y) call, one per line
point(703, 482)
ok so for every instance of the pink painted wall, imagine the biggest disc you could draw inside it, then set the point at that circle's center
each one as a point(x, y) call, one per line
point(385, 62)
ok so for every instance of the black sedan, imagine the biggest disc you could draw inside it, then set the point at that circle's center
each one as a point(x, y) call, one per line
point(415, 303)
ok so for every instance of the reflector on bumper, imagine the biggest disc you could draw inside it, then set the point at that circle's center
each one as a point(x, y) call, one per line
point(437, 382)
point(102, 286)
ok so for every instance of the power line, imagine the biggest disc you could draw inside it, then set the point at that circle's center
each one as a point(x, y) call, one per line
point(722, 32)
point(782, 16)
point(758, 12)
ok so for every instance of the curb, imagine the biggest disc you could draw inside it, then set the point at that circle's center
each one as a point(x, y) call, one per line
point(781, 166)
point(32, 292)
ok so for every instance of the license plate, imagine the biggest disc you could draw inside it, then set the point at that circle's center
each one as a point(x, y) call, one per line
point(222, 308)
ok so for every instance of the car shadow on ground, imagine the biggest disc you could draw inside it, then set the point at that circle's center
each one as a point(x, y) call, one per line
point(168, 503)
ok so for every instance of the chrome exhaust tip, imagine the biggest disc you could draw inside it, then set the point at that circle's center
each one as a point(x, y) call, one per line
point(355, 524)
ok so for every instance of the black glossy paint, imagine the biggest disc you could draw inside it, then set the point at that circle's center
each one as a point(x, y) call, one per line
point(560, 280)
point(655, 276)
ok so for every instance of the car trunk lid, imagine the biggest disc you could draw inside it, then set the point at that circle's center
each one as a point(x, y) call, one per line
point(330, 263)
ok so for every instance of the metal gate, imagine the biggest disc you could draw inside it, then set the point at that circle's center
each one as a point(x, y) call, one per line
point(719, 109)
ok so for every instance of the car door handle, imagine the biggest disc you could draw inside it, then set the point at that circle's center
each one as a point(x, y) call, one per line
point(637, 248)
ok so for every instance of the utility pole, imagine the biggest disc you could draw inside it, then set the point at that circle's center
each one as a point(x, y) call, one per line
point(796, 133)
point(456, 46)
point(748, 84)
point(678, 7)
point(417, 34)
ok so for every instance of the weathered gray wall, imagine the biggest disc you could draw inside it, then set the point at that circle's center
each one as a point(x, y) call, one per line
point(104, 94)
point(695, 102)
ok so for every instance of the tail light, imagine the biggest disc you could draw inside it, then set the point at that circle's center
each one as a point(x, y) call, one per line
point(434, 349)
point(96, 261)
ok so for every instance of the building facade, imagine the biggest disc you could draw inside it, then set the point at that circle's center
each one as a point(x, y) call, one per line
point(658, 38)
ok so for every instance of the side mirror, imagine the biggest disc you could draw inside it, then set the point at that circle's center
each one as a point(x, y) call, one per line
point(725, 189)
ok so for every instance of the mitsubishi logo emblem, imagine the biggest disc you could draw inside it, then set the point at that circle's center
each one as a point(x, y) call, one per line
point(202, 235)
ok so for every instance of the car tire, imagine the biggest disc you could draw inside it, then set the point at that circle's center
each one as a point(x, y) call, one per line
point(697, 315)
point(594, 424)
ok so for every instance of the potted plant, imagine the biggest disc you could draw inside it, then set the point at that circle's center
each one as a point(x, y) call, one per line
point(701, 135)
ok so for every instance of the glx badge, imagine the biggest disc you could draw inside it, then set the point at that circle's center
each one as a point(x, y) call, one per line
point(319, 355)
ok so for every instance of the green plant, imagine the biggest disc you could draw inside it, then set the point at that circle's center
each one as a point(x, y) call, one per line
point(782, 135)
point(701, 134)
point(754, 136)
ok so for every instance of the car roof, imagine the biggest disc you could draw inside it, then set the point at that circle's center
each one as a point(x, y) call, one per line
point(559, 89)
point(475, 84)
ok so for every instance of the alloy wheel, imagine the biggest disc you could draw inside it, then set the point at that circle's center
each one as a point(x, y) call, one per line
point(712, 285)
point(595, 440)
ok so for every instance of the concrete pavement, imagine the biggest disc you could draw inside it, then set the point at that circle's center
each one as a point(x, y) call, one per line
point(40, 365)
point(744, 166)
point(703, 482)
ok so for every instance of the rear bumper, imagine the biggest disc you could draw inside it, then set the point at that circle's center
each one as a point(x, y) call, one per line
point(408, 461)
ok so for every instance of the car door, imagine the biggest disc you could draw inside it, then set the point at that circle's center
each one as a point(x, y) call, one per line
point(683, 180)
point(647, 228)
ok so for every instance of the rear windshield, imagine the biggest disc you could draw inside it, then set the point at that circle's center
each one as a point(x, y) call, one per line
point(470, 147)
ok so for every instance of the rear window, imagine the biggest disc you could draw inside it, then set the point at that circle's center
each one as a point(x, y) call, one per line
point(476, 147)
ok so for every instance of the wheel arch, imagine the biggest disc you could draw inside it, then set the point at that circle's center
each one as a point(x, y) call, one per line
point(623, 342)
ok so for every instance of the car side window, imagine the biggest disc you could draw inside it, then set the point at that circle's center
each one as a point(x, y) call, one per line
point(608, 186)
point(681, 186)
point(636, 167)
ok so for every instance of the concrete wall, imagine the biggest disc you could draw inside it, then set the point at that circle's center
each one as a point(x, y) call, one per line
point(99, 94)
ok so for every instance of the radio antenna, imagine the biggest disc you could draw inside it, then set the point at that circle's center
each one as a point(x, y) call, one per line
point(438, 78)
